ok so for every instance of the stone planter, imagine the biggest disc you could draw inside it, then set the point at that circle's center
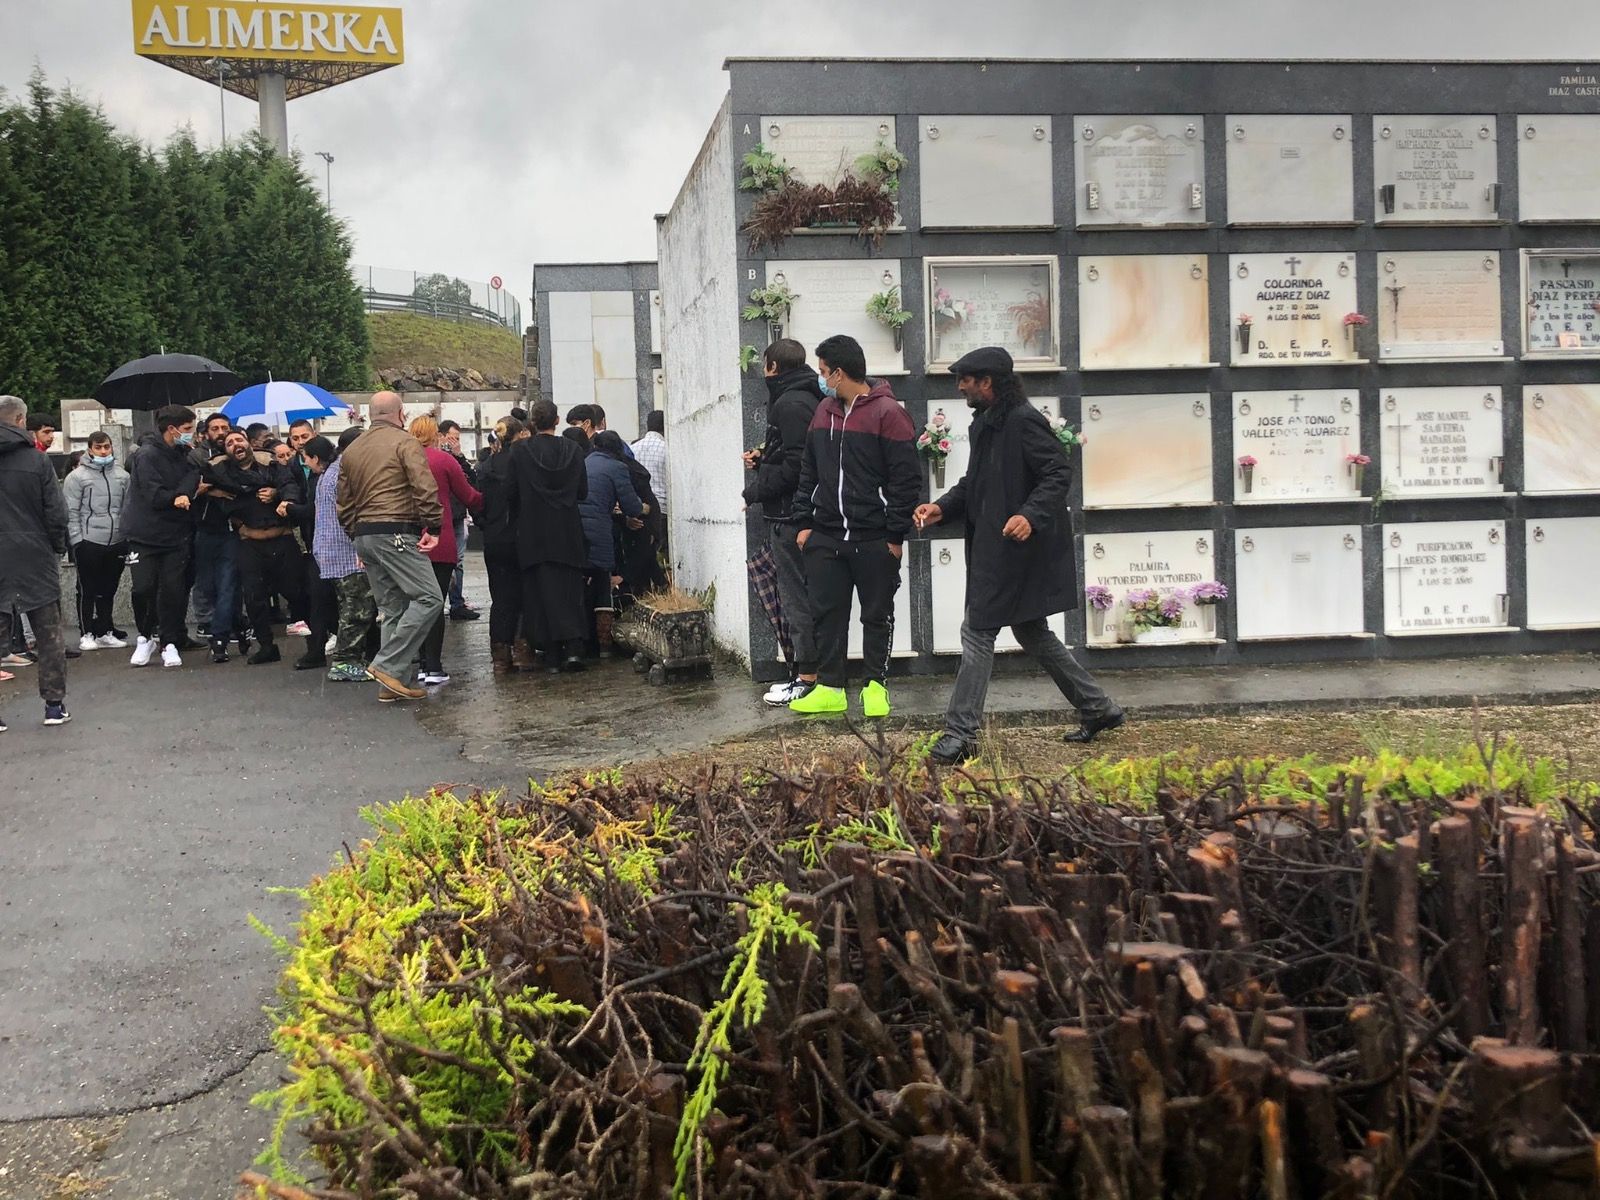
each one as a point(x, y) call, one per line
point(666, 641)
point(1161, 635)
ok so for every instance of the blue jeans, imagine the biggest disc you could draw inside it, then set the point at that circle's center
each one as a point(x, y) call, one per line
point(217, 577)
point(458, 576)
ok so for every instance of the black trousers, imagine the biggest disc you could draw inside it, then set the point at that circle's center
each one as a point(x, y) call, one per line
point(836, 570)
point(322, 608)
point(554, 618)
point(269, 567)
point(505, 595)
point(433, 644)
point(99, 574)
point(160, 591)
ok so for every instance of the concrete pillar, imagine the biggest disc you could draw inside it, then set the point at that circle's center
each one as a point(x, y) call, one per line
point(272, 99)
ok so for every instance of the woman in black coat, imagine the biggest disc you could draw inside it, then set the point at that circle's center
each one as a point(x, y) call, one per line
point(508, 649)
point(547, 481)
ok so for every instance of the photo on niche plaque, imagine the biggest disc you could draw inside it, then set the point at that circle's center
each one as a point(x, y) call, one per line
point(1008, 302)
point(1561, 303)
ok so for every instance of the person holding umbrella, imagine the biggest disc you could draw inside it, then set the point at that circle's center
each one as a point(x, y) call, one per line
point(1013, 501)
point(162, 482)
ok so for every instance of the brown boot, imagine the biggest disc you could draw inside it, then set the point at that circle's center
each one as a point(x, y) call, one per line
point(500, 655)
point(603, 621)
point(522, 655)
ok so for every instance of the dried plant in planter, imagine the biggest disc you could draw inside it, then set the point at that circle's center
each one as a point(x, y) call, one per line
point(852, 202)
point(1033, 320)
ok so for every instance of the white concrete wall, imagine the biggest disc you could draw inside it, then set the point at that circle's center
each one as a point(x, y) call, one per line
point(705, 426)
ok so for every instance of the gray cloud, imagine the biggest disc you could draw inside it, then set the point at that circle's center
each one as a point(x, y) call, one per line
point(531, 131)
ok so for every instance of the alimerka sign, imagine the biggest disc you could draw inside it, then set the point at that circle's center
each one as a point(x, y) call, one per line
point(244, 29)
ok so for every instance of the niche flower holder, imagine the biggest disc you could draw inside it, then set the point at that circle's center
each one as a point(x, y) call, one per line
point(1357, 465)
point(884, 308)
point(1247, 471)
point(933, 443)
point(1244, 323)
point(773, 303)
point(1099, 600)
point(1353, 324)
point(1205, 597)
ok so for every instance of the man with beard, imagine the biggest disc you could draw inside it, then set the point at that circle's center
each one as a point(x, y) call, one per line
point(793, 394)
point(215, 594)
point(269, 556)
point(1013, 501)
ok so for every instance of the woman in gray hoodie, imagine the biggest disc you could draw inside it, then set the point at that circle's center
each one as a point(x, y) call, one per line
point(95, 491)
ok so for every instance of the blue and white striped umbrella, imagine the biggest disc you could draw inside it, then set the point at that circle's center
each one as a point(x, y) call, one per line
point(278, 403)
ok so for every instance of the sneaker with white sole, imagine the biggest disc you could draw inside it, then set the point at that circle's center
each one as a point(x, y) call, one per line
point(110, 641)
point(433, 678)
point(298, 629)
point(87, 642)
point(56, 714)
point(143, 652)
point(786, 693)
point(169, 656)
point(332, 644)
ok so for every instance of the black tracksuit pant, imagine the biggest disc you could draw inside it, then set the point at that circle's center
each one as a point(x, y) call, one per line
point(836, 570)
point(269, 567)
point(99, 574)
point(160, 596)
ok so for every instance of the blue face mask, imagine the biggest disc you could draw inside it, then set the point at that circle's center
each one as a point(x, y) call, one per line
point(186, 439)
point(102, 460)
point(827, 389)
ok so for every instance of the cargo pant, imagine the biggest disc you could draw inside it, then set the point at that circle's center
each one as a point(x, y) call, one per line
point(47, 644)
point(358, 620)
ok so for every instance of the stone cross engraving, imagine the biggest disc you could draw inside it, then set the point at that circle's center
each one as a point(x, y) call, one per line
point(1292, 263)
point(1399, 570)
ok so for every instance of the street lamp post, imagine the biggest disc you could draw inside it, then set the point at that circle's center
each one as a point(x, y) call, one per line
point(328, 192)
point(222, 93)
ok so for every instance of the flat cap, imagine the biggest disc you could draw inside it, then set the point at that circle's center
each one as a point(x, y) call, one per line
point(990, 360)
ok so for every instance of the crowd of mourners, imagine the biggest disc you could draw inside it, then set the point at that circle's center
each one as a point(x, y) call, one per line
point(230, 535)
point(357, 544)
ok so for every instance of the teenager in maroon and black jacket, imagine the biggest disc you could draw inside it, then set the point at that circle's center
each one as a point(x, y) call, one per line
point(859, 482)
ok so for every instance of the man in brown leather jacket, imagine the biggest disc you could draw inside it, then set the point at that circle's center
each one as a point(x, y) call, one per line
point(389, 505)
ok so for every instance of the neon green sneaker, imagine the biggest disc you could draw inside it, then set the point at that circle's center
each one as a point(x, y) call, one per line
point(874, 700)
point(821, 699)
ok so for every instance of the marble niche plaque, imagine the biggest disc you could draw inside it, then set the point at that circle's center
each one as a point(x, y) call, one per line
point(1134, 171)
point(1301, 442)
point(1558, 168)
point(1561, 303)
point(1442, 441)
point(1149, 451)
point(1563, 572)
point(1435, 170)
point(958, 421)
point(986, 172)
point(1443, 577)
point(949, 599)
point(833, 295)
point(1290, 170)
point(822, 149)
point(1298, 582)
point(1167, 561)
point(1435, 304)
point(1009, 302)
point(1297, 304)
point(1561, 438)
point(1143, 312)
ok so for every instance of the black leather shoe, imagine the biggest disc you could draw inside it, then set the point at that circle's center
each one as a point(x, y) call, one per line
point(268, 653)
point(574, 663)
point(1095, 725)
point(308, 662)
point(950, 751)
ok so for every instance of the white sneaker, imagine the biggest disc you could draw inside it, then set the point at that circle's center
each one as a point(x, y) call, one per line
point(169, 656)
point(298, 629)
point(87, 642)
point(332, 644)
point(143, 652)
point(110, 641)
point(781, 694)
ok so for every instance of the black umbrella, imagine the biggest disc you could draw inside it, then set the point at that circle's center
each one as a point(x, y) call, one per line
point(146, 384)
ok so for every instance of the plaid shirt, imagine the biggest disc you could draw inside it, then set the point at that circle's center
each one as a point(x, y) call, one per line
point(330, 545)
point(651, 453)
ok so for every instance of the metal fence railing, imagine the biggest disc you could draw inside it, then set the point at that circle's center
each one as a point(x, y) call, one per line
point(437, 294)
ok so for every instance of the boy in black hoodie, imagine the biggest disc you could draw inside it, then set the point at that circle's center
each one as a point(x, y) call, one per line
point(793, 394)
point(859, 482)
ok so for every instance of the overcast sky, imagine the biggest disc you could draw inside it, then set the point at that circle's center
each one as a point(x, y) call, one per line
point(524, 130)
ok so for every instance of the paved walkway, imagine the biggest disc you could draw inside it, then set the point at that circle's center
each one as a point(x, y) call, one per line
point(134, 841)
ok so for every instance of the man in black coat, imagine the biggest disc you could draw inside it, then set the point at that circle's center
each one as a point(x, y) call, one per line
point(793, 394)
point(1013, 500)
point(267, 496)
point(163, 481)
point(33, 537)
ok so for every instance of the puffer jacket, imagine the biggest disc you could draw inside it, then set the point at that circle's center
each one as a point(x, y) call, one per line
point(610, 487)
point(33, 524)
point(95, 497)
point(157, 475)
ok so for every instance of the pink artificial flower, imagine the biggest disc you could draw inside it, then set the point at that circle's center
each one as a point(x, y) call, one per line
point(1356, 318)
point(1246, 319)
point(939, 420)
point(1357, 460)
point(944, 444)
point(1247, 460)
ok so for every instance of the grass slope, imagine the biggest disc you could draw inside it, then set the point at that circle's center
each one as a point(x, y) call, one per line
point(407, 339)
